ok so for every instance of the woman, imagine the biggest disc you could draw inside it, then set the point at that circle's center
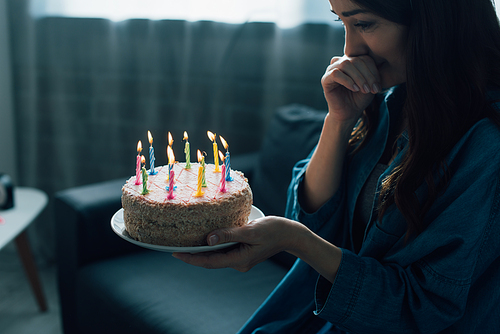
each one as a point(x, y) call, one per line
point(399, 204)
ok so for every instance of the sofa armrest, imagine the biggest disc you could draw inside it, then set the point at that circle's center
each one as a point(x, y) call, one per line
point(84, 235)
point(83, 216)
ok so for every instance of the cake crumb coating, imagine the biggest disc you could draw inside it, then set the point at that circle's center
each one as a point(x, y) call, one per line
point(186, 220)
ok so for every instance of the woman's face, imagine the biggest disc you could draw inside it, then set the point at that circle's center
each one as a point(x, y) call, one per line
point(369, 34)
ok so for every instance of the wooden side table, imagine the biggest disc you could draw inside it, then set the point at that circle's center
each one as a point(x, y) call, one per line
point(28, 204)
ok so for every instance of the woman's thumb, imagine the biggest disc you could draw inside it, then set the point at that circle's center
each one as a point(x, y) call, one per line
point(221, 236)
point(213, 239)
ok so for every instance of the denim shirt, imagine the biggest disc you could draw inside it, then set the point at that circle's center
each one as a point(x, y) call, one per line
point(445, 280)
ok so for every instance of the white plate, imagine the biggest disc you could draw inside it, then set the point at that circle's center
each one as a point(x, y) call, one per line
point(118, 226)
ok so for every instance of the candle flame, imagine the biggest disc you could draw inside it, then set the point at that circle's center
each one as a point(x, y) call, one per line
point(199, 156)
point(170, 139)
point(150, 138)
point(224, 143)
point(222, 157)
point(211, 136)
point(139, 146)
point(185, 136)
point(143, 160)
point(170, 154)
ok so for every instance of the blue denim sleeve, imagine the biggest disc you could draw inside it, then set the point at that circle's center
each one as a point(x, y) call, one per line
point(444, 278)
point(316, 220)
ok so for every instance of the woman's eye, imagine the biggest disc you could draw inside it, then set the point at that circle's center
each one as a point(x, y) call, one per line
point(339, 20)
point(363, 25)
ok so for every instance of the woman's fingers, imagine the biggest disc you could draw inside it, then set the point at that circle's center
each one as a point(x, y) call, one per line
point(233, 258)
point(370, 64)
point(362, 73)
point(258, 240)
point(358, 74)
point(334, 77)
point(374, 79)
point(335, 59)
point(231, 234)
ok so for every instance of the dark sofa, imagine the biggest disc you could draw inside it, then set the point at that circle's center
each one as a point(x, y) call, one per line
point(107, 285)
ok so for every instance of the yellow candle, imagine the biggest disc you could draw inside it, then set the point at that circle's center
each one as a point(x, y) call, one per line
point(198, 192)
point(212, 137)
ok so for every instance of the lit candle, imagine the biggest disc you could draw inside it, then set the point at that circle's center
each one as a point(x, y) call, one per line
point(170, 153)
point(171, 157)
point(203, 179)
point(187, 151)
point(227, 161)
point(212, 137)
point(138, 164)
point(145, 190)
point(171, 186)
point(222, 187)
point(198, 192)
point(170, 162)
point(151, 155)
point(170, 140)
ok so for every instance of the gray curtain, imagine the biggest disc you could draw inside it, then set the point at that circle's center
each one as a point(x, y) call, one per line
point(7, 147)
point(86, 90)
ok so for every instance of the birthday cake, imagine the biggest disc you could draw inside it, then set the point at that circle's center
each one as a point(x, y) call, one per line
point(184, 217)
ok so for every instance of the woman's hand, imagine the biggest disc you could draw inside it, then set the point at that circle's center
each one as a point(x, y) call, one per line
point(262, 238)
point(349, 85)
point(259, 240)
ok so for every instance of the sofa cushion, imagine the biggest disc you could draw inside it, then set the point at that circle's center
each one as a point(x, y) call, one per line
point(292, 134)
point(152, 292)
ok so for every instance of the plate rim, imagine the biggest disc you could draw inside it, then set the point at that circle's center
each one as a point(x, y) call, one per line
point(118, 226)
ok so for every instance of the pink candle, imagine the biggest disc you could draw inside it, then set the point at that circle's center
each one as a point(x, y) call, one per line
point(138, 164)
point(171, 159)
point(171, 185)
point(223, 174)
point(223, 179)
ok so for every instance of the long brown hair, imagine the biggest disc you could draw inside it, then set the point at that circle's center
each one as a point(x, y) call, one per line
point(453, 58)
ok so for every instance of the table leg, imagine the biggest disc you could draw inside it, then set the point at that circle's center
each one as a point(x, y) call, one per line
point(24, 251)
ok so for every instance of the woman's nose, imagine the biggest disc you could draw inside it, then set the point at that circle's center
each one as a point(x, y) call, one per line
point(354, 44)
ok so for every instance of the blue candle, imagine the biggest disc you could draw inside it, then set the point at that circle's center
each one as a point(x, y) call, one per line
point(151, 155)
point(227, 162)
point(228, 167)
